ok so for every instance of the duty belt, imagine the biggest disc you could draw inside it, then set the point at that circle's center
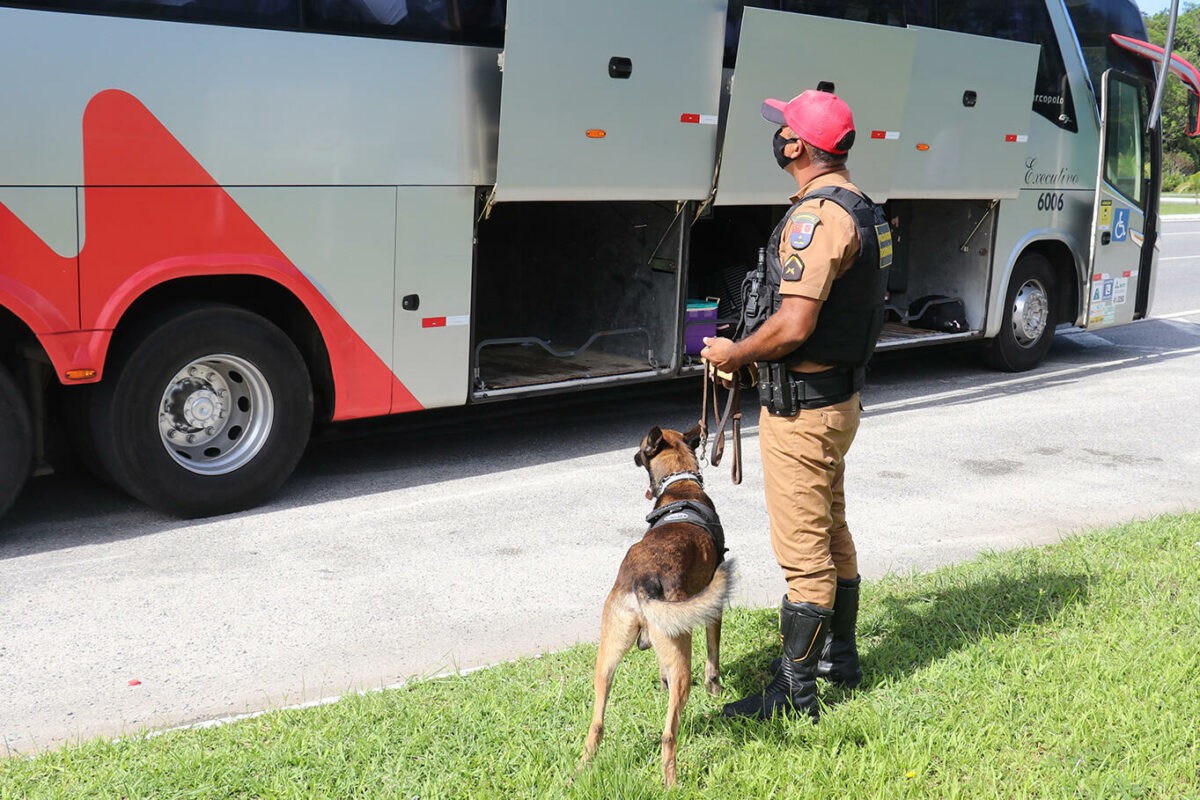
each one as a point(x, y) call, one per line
point(784, 393)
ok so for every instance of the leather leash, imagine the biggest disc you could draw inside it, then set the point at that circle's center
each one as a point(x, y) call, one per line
point(731, 416)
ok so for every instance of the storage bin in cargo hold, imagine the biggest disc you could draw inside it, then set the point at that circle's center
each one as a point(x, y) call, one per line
point(701, 321)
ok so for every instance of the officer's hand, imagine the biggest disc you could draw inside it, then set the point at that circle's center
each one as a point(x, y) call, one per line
point(721, 353)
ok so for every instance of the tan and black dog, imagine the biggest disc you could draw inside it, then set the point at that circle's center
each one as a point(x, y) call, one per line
point(674, 580)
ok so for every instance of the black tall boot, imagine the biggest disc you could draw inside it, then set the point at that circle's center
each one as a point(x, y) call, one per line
point(839, 658)
point(794, 687)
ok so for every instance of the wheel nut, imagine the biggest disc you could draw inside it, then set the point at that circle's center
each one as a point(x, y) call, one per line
point(191, 437)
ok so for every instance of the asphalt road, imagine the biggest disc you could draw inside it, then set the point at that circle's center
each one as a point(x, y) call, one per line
point(410, 547)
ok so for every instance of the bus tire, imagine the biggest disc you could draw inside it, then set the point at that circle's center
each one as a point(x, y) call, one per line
point(1030, 315)
point(204, 411)
point(16, 444)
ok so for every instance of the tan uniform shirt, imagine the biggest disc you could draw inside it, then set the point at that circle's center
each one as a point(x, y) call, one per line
point(819, 242)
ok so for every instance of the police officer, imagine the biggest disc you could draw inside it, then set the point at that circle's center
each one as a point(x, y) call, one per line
point(825, 281)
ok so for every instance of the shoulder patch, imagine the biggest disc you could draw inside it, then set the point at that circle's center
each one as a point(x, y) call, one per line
point(801, 229)
point(793, 268)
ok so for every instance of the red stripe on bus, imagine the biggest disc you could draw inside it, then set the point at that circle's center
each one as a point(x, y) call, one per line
point(155, 215)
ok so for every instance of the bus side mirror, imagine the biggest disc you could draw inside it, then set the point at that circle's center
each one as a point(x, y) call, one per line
point(1193, 117)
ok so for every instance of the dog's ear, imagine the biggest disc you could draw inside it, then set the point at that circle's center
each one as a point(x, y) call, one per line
point(692, 437)
point(650, 447)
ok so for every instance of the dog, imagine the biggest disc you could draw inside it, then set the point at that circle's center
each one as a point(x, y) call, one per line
point(675, 579)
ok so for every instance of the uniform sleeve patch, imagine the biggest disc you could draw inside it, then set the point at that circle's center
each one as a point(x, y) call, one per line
point(793, 268)
point(801, 229)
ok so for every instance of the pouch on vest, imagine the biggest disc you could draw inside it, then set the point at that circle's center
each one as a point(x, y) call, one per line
point(756, 298)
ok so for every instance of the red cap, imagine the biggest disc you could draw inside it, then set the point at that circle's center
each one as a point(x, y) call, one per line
point(820, 118)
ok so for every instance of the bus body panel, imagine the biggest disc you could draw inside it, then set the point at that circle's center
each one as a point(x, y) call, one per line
point(434, 255)
point(39, 271)
point(918, 134)
point(342, 239)
point(256, 107)
point(659, 123)
point(973, 120)
point(173, 224)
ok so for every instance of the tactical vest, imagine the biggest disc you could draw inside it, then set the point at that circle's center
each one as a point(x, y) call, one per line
point(852, 316)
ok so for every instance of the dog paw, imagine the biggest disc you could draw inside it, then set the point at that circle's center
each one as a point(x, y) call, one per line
point(713, 687)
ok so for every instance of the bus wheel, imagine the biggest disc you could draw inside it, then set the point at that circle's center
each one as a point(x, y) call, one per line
point(1030, 314)
point(16, 443)
point(206, 411)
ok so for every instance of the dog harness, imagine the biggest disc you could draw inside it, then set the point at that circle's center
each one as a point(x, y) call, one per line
point(692, 512)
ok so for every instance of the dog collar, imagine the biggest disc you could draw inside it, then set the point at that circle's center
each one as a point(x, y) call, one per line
point(675, 477)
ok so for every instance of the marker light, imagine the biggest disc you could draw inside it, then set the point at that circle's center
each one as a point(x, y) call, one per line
point(596, 133)
point(922, 147)
point(80, 374)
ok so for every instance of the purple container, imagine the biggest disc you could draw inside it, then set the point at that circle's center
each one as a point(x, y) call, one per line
point(701, 321)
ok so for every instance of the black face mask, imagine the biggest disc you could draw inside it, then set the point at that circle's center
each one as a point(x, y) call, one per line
point(777, 145)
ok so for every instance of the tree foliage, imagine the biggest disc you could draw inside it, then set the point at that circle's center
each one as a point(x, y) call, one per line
point(1181, 155)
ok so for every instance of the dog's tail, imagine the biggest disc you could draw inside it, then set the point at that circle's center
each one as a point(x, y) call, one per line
point(676, 617)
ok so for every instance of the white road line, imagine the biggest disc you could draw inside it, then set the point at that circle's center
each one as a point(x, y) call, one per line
point(1177, 314)
point(1180, 258)
point(954, 394)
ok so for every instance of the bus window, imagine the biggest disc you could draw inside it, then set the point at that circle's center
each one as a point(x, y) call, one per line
point(426, 20)
point(251, 13)
point(482, 21)
point(1126, 148)
point(1094, 21)
point(879, 12)
point(1020, 21)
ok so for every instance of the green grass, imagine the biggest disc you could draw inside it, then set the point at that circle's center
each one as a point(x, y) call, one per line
point(1063, 672)
point(1179, 203)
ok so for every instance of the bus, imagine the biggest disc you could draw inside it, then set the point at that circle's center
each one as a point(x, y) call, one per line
point(225, 221)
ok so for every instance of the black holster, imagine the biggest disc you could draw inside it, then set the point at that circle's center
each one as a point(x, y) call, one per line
point(784, 393)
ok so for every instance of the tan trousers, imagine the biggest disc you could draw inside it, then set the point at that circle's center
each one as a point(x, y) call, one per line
point(804, 466)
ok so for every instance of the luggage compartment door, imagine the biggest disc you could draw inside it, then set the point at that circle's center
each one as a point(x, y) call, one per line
point(609, 101)
point(968, 117)
point(1120, 270)
point(780, 54)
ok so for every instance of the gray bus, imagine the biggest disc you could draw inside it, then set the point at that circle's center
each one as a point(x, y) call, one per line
point(223, 220)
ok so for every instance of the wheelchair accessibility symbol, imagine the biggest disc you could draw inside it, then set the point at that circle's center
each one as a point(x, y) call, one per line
point(1120, 228)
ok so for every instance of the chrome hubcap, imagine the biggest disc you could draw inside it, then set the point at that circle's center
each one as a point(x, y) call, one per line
point(1030, 313)
point(215, 414)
